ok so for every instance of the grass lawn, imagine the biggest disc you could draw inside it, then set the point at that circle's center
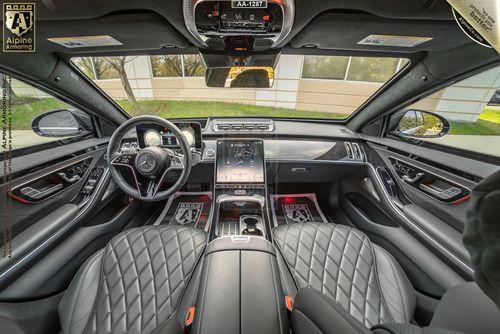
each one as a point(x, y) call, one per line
point(23, 112)
point(187, 109)
point(488, 124)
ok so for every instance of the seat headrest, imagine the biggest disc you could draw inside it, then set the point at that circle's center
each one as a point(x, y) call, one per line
point(482, 235)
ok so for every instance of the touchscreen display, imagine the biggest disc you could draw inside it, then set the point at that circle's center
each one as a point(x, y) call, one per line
point(240, 162)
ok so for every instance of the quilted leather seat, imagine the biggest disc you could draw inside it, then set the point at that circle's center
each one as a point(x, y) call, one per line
point(135, 284)
point(343, 264)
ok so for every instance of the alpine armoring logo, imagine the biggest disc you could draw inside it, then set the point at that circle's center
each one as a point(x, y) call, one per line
point(19, 27)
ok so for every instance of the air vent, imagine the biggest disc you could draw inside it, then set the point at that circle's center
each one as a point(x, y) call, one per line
point(354, 151)
point(243, 126)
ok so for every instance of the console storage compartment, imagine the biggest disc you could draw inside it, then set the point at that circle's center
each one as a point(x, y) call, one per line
point(240, 289)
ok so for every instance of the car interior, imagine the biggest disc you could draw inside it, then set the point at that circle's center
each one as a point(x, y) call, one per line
point(138, 223)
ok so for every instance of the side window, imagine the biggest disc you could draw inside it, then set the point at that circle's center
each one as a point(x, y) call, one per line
point(39, 118)
point(472, 107)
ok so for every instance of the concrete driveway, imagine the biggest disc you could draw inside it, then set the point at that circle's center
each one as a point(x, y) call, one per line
point(482, 144)
point(25, 138)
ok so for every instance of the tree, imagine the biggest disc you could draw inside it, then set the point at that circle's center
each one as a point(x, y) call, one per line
point(173, 63)
point(118, 64)
point(6, 85)
point(193, 65)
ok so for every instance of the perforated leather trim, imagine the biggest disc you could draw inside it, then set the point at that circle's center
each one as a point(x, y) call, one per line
point(340, 262)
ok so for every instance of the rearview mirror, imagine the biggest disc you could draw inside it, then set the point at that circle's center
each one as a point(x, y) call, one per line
point(62, 123)
point(240, 77)
point(421, 124)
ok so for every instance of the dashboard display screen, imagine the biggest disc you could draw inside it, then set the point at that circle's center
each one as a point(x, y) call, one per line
point(156, 135)
point(240, 161)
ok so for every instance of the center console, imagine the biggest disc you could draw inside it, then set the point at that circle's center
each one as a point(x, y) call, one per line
point(240, 188)
point(240, 289)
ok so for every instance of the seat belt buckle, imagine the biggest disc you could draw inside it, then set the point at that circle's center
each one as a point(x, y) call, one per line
point(189, 319)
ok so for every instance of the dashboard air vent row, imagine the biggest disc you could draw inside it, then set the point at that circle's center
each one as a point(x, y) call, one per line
point(353, 151)
point(243, 126)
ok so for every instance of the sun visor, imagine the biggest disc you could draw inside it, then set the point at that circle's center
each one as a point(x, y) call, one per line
point(366, 32)
point(119, 32)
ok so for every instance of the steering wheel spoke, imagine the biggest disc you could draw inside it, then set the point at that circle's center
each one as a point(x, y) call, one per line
point(150, 166)
point(123, 159)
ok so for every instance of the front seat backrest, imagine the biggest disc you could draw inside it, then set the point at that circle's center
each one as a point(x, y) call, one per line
point(135, 284)
point(482, 235)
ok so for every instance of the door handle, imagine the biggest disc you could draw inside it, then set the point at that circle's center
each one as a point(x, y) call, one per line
point(33, 193)
point(414, 179)
point(67, 179)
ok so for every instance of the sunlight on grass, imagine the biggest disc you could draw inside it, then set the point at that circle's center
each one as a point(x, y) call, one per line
point(25, 109)
point(488, 124)
point(193, 109)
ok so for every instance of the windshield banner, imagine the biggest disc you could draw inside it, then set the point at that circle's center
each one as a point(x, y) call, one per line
point(479, 20)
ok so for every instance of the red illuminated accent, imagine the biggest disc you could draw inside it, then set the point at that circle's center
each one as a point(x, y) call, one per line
point(288, 200)
point(461, 200)
point(266, 17)
point(215, 13)
point(18, 199)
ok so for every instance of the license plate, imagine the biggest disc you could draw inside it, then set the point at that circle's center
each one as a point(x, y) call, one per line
point(249, 4)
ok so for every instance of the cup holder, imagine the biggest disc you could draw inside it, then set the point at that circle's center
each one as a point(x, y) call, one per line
point(251, 225)
point(250, 220)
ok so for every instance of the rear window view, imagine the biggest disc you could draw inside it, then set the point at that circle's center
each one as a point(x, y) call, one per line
point(173, 86)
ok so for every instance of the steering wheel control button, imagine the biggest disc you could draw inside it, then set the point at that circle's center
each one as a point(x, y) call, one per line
point(209, 153)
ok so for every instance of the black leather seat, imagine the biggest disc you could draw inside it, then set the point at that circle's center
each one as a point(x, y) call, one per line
point(344, 265)
point(135, 284)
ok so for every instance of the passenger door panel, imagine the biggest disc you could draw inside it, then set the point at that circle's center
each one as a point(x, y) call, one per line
point(421, 228)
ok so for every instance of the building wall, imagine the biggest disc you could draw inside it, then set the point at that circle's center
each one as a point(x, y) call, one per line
point(463, 101)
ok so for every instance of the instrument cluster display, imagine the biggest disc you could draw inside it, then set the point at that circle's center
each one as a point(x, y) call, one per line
point(240, 161)
point(158, 136)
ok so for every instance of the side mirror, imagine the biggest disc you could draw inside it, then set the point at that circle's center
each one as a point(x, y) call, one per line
point(419, 124)
point(62, 123)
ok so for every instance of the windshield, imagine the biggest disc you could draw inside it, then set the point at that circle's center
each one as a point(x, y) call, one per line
point(173, 86)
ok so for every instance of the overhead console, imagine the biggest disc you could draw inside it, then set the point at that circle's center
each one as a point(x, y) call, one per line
point(239, 25)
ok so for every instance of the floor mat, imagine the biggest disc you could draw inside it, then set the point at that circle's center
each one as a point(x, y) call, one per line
point(187, 209)
point(296, 208)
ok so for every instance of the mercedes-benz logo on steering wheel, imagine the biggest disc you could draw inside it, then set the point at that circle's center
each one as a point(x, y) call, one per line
point(146, 162)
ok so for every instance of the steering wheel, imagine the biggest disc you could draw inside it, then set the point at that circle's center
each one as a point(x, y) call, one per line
point(149, 165)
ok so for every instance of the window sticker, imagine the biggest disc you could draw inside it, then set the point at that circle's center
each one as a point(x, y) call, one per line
point(393, 40)
point(85, 41)
point(478, 19)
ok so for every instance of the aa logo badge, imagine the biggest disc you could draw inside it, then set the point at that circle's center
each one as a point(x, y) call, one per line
point(19, 27)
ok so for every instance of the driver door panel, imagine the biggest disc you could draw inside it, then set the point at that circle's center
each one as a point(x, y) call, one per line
point(40, 226)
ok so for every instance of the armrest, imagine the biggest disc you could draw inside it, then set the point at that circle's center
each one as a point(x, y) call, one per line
point(466, 308)
point(240, 289)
